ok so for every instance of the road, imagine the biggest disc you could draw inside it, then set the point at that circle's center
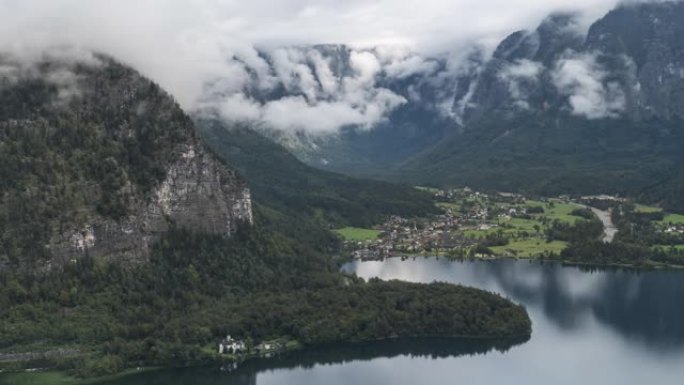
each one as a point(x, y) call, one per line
point(609, 229)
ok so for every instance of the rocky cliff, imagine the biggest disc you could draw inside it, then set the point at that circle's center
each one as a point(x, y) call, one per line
point(96, 160)
point(198, 193)
point(629, 64)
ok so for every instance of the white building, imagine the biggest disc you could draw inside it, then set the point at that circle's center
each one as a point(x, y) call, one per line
point(231, 346)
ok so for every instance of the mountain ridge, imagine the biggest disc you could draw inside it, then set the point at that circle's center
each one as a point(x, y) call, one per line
point(558, 100)
point(98, 161)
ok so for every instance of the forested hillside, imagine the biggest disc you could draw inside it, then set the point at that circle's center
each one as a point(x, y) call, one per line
point(95, 159)
point(540, 154)
point(117, 160)
point(280, 180)
point(196, 289)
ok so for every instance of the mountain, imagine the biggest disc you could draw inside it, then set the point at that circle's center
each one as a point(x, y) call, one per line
point(557, 109)
point(386, 105)
point(558, 112)
point(96, 160)
point(127, 243)
point(629, 64)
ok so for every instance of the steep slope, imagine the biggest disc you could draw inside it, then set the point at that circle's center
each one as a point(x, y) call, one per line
point(600, 114)
point(281, 181)
point(100, 167)
point(97, 160)
point(387, 104)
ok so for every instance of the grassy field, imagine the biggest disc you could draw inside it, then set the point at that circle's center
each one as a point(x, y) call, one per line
point(646, 209)
point(45, 378)
point(534, 244)
point(520, 224)
point(517, 224)
point(677, 219)
point(358, 234)
point(667, 247)
point(560, 210)
point(529, 247)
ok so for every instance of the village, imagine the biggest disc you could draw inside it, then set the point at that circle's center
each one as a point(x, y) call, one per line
point(507, 224)
point(467, 217)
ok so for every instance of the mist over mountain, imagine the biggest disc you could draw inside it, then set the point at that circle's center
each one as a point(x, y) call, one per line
point(333, 100)
point(555, 112)
point(601, 103)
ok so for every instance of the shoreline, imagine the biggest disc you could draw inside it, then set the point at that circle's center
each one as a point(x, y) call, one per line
point(650, 265)
point(50, 376)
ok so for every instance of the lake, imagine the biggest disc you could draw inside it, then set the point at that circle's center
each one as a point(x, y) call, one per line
point(589, 327)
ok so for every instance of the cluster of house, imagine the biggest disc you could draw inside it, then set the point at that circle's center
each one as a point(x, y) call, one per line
point(602, 197)
point(230, 345)
point(675, 229)
point(456, 194)
point(441, 233)
point(400, 237)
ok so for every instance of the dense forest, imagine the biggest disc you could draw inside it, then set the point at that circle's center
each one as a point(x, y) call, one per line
point(541, 154)
point(64, 159)
point(197, 288)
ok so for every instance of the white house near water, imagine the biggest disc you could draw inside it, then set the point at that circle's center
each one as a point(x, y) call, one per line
point(231, 346)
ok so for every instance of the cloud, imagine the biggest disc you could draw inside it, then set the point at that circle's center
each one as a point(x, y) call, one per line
point(519, 76)
point(327, 88)
point(583, 80)
point(400, 63)
point(184, 43)
point(294, 113)
point(238, 107)
point(60, 75)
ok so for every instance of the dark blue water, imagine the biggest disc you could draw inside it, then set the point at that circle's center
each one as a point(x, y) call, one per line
point(601, 327)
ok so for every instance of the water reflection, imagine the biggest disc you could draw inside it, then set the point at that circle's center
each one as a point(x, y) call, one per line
point(589, 327)
point(642, 306)
point(427, 348)
point(330, 355)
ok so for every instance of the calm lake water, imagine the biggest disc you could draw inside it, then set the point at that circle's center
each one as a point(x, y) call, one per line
point(600, 327)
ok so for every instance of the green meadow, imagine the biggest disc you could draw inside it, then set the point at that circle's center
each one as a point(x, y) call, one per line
point(646, 209)
point(559, 210)
point(358, 234)
point(529, 247)
point(675, 219)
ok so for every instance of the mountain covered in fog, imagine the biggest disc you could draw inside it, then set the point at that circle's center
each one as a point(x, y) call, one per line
point(556, 112)
point(556, 108)
point(304, 97)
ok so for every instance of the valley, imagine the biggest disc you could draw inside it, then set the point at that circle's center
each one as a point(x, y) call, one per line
point(134, 236)
point(479, 225)
point(246, 193)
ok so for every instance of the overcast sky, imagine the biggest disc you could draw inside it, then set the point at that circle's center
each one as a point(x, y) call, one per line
point(181, 42)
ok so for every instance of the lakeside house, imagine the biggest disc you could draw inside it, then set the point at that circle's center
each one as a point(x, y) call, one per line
point(232, 346)
point(674, 230)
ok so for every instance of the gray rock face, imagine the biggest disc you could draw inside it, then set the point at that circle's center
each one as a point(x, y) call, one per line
point(198, 194)
point(635, 51)
point(116, 164)
point(653, 37)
